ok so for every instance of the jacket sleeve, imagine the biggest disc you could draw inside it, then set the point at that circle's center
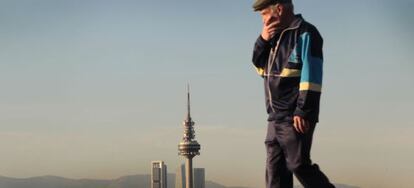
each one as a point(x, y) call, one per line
point(260, 55)
point(310, 87)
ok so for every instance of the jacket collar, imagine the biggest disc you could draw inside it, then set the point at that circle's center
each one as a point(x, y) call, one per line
point(296, 22)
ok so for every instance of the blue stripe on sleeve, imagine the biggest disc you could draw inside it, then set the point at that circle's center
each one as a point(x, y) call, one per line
point(312, 66)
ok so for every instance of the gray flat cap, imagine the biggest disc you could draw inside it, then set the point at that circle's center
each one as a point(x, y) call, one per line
point(259, 5)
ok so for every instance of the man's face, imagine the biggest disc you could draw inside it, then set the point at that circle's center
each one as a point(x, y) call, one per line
point(275, 14)
point(269, 15)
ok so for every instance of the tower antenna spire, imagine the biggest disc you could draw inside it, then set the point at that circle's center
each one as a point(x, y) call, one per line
point(188, 101)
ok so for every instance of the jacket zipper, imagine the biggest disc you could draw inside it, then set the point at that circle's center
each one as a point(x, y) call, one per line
point(270, 63)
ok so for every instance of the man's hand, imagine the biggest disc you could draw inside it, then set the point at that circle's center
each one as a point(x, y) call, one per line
point(301, 125)
point(269, 28)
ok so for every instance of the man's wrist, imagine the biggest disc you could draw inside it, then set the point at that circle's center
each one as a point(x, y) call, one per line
point(299, 112)
point(266, 39)
point(263, 42)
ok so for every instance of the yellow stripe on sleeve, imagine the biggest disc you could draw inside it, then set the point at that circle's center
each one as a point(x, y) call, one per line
point(310, 86)
point(290, 72)
point(260, 71)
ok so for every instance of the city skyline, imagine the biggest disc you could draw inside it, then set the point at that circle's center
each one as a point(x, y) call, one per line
point(96, 89)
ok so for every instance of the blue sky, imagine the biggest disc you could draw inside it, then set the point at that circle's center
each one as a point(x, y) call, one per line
point(97, 88)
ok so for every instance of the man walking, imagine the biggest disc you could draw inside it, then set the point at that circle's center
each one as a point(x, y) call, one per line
point(288, 55)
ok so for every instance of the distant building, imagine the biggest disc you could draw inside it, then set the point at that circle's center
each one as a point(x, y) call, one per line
point(158, 174)
point(198, 177)
point(180, 177)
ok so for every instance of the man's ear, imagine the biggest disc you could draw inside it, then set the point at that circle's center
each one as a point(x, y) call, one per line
point(280, 10)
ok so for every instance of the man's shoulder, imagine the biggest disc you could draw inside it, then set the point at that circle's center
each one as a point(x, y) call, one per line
point(310, 29)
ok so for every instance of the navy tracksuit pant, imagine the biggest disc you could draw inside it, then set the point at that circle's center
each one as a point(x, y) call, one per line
point(288, 153)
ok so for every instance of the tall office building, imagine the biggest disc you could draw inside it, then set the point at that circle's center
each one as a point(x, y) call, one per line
point(158, 174)
point(180, 177)
point(198, 177)
point(188, 146)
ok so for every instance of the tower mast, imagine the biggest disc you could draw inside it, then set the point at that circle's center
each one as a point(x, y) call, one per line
point(189, 147)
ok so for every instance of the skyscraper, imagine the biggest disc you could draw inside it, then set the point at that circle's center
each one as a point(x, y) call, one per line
point(180, 177)
point(188, 146)
point(198, 177)
point(158, 174)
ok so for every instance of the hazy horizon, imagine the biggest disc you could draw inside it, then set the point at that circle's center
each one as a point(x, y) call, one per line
point(130, 181)
point(97, 89)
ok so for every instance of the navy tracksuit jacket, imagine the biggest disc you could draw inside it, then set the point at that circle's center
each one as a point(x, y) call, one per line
point(291, 65)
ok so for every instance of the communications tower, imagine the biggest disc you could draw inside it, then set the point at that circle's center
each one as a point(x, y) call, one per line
point(188, 146)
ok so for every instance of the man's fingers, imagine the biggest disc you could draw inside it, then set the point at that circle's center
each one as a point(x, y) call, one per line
point(304, 125)
point(269, 20)
point(298, 129)
point(271, 30)
point(272, 24)
point(299, 125)
point(295, 124)
point(271, 34)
